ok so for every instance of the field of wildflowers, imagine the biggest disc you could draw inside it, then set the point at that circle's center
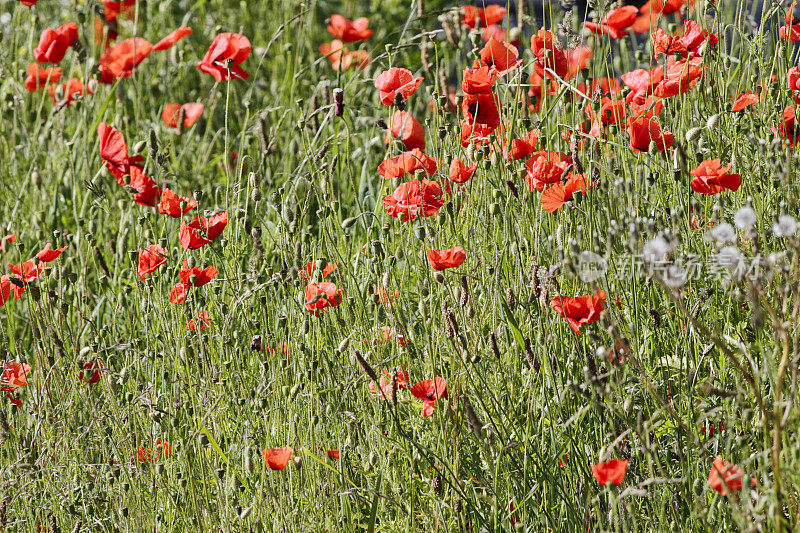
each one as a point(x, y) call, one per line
point(399, 265)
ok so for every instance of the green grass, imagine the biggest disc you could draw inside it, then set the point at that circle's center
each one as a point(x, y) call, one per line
point(70, 449)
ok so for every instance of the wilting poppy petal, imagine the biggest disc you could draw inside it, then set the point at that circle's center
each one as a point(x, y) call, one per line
point(170, 40)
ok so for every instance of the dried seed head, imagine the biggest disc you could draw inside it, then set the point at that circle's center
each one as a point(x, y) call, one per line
point(343, 345)
point(493, 345)
point(36, 178)
point(255, 343)
point(473, 421)
point(338, 101)
point(465, 299)
point(263, 134)
point(511, 301)
point(367, 369)
point(153, 144)
point(656, 316)
point(437, 484)
point(531, 357)
point(181, 120)
point(393, 396)
point(78, 525)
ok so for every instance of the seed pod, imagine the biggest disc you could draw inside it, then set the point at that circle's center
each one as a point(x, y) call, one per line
point(393, 395)
point(181, 120)
point(343, 345)
point(512, 187)
point(367, 368)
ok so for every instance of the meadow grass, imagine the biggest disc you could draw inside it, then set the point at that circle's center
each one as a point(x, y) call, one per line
point(673, 374)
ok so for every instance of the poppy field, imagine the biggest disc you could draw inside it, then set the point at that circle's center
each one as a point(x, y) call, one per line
point(399, 265)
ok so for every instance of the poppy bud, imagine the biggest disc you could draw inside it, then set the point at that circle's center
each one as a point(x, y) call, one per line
point(419, 232)
point(348, 222)
point(439, 277)
point(495, 209)
point(712, 122)
point(295, 390)
point(338, 101)
point(343, 345)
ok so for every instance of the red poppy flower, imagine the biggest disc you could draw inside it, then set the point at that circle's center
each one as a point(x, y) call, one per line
point(663, 7)
point(414, 199)
point(11, 238)
point(478, 80)
point(26, 271)
point(177, 294)
point(147, 191)
point(161, 450)
point(407, 163)
point(203, 317)
point(606, 86)
point(212, 226)
point(170, 40)
point(481, 109)
point(577, 60)
point(789, 129)
point(611, 471)
point(69, 92)
point(725, 477)
point(190, 238)
point(277, 458)
point(120, 60)
point(47, 255)
point(429, 391)
point(615, 22)
point(170, 204)
point(197, 276)
point(322, 295)
point(694, 36)
point(384, 296)
point(349, 31)
point(191, 112)
point(579, 310)
point(396, 81)
point(642, 82)
point(560, 193)
point(14, 376)
point(503, 56)
point(486, 16)
point(28, 3)
point(643, 130)
point(650, 107)
point(385, 382)
point(406, 128)
point(310, 268)
point(114, 152)
point(450, 258)
point(333, 454)
point(498, 32)
point(225, 55)
point(341, 58)
point(712, 178)
point(474, 133)
point(545, 168)
point(524, 147)
point(113, 9)
point(54, 43)
point(92, 371)
point(460, 172)
point(39, 76)
point(150, 258)
point(386, 334)
point(791, 30)
point(548, 55)
point(681, 77)
point(664, 43)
